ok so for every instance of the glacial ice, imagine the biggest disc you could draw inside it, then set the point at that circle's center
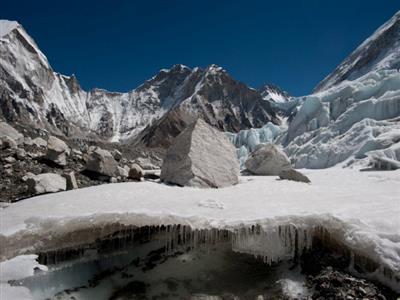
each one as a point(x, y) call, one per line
point(345, 122)
point(246, 141)
point(263, 216)
point(17, 268)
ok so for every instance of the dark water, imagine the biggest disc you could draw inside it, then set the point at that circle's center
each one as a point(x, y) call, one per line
point(147, 271)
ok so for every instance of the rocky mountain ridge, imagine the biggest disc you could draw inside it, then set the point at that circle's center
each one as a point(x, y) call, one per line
point(31, 92)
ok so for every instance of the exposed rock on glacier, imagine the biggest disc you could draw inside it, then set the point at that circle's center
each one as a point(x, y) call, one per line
point(294, 175)
point(57, 151)
point(201, 156)
point(46, 183)
point(102, 162)
point(267, 159)
point(71, 181)
point(135, 172)
point(7, 130)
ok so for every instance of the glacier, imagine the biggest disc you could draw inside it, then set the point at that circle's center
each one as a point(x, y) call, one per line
point(343, 123)
point(261, 216)
point(246, 140)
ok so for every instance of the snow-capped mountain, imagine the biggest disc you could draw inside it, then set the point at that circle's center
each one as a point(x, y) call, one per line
point(273, 93)
point(31, 92)
point(354, 116)
point(380, 51)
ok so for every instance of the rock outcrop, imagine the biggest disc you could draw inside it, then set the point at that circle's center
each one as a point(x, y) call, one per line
point(102, 162)
point(71, 181)
point(201, 156)
point(7, 130)
point(57, 151)
point(46, 183)
point(267, 159)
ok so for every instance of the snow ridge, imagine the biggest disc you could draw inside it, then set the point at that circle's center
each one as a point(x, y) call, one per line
point(380, 51)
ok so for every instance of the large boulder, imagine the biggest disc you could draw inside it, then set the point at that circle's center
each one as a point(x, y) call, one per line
point(57, 151)
point(135, 172)
point(294, 175)
point(267, 159)
point(7, 130)
point(201, 156)
point(8, 143)
point(102, 162)
point(46, 183)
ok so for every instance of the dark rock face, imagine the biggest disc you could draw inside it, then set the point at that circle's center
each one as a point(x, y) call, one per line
point(163, 131)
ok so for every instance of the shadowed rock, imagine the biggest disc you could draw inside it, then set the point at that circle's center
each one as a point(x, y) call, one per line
point(294, 175)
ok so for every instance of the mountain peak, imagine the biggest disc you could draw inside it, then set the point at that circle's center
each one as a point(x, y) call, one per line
point(214, 69)
point(379, 51)
point(272, 92)
point(6, 26)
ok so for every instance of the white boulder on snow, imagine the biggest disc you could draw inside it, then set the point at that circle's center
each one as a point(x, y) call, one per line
point(46, 183)
point(267, 159)
point(201, 156)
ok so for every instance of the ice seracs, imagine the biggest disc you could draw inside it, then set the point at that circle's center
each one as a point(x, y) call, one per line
point(201, 156)
point(354, 111)
point(247, 140)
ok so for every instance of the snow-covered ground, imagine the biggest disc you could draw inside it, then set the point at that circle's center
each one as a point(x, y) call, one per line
point(361, 209)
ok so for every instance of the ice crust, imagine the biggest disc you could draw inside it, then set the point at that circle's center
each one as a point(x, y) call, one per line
point(14, 269)
point(360, 209)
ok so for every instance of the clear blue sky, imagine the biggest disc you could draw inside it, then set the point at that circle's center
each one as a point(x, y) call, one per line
point(118, 44)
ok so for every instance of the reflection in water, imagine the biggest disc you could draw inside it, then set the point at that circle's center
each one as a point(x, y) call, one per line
point(148, 271)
